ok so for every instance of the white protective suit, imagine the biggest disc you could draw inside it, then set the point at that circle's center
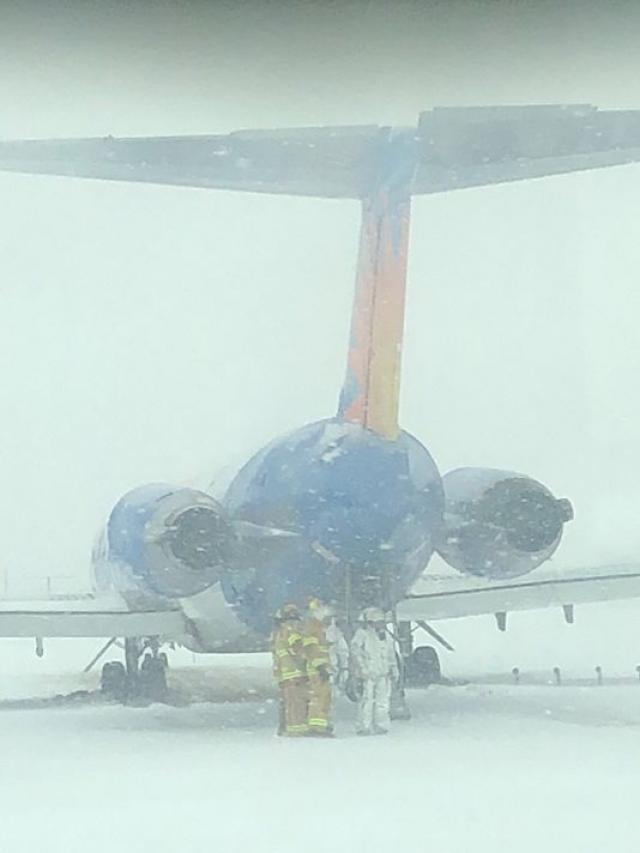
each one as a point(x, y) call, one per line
point(373, 661)
point(339, 653)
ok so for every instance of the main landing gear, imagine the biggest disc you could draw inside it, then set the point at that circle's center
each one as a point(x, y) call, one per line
point(419, 665)
point(141, 679)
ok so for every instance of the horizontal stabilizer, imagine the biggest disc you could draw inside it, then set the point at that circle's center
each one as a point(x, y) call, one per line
point(453, 148)
point(324, 162)
point(472, 147)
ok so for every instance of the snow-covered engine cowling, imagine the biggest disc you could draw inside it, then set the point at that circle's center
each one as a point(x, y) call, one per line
point(498, 524)
point(171, 541)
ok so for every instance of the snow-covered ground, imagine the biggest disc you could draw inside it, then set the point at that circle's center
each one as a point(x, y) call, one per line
point(480, 766)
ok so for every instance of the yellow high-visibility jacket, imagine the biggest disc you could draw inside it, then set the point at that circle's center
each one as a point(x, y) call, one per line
point(316, 646)
point(287, 651)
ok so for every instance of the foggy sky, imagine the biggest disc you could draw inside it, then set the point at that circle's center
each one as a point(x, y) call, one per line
point(155, 333)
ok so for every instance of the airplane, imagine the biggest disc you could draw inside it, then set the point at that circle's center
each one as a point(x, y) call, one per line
point(350, 509)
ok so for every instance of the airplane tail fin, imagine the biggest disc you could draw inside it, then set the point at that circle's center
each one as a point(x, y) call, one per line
point(451, 148)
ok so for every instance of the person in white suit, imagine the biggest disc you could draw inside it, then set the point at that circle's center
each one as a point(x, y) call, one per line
point(339, 654)
point(374, 668)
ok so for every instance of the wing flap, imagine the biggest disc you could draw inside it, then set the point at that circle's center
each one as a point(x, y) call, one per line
point(451, 598)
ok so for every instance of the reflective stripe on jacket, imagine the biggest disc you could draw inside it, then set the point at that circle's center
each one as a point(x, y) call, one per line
point(316, 646)
point(288, 652)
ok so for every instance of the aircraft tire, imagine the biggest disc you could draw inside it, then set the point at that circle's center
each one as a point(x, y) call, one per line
point(153, 678)
point(424, 667)
point(113, 679)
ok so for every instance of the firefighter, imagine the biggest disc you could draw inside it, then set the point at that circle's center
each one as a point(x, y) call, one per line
point(375, 668)
point(290, 671)
point(318, 657)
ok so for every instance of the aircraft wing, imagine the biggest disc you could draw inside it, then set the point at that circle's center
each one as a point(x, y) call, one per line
point(447, 597)
point(88, 616)
point(450, 148)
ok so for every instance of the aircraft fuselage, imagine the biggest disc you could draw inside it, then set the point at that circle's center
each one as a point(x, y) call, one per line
point(364, 510)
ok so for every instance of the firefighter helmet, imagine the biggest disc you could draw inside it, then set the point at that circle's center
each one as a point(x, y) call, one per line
point(287, 611)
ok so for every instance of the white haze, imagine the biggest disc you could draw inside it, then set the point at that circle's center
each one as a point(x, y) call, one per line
point(152, 333)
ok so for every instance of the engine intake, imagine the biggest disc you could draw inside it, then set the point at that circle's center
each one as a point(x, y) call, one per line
point(172, 541)
point(498, 523)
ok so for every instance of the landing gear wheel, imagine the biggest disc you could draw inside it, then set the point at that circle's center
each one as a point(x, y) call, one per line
point(152, 680)
point(113, 680)
point(423, 667)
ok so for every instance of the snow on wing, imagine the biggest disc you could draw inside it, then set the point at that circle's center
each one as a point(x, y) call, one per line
point(87, 617)
point(448, 597)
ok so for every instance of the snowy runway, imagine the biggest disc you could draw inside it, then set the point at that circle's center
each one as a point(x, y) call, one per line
point(478, 767)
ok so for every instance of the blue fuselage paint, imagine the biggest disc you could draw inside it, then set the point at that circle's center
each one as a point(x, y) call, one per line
point(363, 512)
point(126, 528)
point(364, 509)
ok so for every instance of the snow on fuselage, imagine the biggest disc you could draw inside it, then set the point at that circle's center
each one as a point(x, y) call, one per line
point(360, 513)
point(365, 511)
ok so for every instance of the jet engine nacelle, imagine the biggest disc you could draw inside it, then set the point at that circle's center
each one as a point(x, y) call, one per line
point(166, 540)
point(498, 524)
